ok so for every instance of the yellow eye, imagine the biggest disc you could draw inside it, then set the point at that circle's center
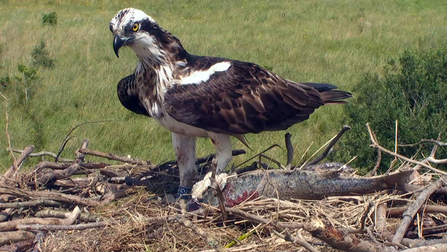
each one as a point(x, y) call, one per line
point(135, 27)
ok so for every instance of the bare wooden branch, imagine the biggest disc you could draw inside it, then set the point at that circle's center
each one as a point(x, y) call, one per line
point(29, 204)
point(12, 225)
point(397, 211)
point(289, 148)
point(111, 156)
point(72, 199)
point(297, 240)
point(43, 154)
point(432, 248)
point(61, 227)
point(10, 173)
point(18, 246)
point(15, 236)
point(88, 217)
point(330, 145)
point(376, 145)
point(409, 214)
point(339, 240)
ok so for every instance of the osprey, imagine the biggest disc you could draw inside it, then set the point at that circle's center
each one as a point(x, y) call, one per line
point(197, 96)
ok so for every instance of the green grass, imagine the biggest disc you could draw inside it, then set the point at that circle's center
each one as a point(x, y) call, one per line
point(309, 41)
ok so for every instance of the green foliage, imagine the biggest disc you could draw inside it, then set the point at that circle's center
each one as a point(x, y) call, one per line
point(25, 82)
point(41, 56)
point(412, 91)
point(5, 80)
point(49, 18)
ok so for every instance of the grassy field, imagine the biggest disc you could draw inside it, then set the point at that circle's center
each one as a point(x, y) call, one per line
point(310, 41)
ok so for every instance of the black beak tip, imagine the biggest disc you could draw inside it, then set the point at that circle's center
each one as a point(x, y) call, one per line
point(118, 42)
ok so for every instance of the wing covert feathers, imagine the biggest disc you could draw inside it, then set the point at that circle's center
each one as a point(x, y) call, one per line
point(247, 99)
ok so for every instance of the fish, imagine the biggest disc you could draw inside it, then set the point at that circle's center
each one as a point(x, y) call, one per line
point(300, 184)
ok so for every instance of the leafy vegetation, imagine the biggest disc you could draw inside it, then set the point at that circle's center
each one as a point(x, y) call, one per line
point(309, 41)
point(412, 91)
point(41, 56)
point(49, 19)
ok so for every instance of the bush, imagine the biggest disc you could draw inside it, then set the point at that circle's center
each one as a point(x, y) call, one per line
point(40, 56)
point(412, 91)
point(49, 19)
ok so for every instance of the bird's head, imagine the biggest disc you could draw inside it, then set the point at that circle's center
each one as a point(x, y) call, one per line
point(135, 29)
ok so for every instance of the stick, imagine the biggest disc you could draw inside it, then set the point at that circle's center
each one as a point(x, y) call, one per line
point(72, 199)
point(43, 154)
point(409, 214)
point(396, 211)
point(432, 248)
point(376, 145)
point(111, 156)
point(12, 225)
point(88, 217)
point(15, 236)
point(11, 172)
point(61, 227)
point(30, 204)
point(289, 148)
point(330, 145)
point(296, 240)
point(339, 240)
point(18, 246)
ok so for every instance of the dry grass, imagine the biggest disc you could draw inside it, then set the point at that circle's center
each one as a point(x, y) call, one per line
point(138, 223)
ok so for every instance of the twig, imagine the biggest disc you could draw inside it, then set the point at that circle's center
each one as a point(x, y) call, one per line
point(289, 148)
point(29, 204)
point(423, 141)
point(255, 156)
point(111, 156)
point(330, 145)
point(409, 214)
point(61, 227)
point(72, 199)
point(42, 154)
point(376, 145)
point(296, 240)
point(11, 172)
point(396, 211)
point(67, 136)
point(432, 248)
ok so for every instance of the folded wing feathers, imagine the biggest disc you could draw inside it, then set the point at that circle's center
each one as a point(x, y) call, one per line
point(247, 98)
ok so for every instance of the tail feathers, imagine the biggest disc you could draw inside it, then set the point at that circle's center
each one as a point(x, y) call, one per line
point(329, 93)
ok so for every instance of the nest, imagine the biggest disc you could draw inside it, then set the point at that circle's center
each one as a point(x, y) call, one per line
point(77, 205)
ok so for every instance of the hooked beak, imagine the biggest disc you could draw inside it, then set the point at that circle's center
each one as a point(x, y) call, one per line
point(118, 42)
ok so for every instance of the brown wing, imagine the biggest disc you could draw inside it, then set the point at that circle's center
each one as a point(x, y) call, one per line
point(128, 95)
point(246, 99)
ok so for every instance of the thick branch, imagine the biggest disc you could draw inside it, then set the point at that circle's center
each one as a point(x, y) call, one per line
point(16, 236)
point(10, 173)
point(409, 214)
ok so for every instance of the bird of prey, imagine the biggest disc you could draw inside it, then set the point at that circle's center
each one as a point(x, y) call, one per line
point(198, 96)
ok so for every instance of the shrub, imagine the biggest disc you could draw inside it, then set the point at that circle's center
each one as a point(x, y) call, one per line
point(49, 19)
point(413, 91)
point(40, 56)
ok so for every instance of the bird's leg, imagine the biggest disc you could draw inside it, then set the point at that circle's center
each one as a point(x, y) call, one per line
point(224, 154)
point(185, 150)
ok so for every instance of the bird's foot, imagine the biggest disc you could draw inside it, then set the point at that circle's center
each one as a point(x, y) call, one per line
point(202, 186)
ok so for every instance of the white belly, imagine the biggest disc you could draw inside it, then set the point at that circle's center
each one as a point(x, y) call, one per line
point(180, 128)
